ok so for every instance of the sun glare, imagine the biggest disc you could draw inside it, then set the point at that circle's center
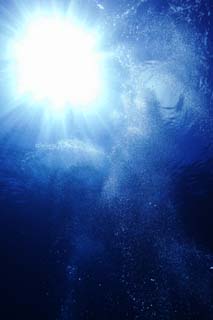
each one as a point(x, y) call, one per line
point(57, 62)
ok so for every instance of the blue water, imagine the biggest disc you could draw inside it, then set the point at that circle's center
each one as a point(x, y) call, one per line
point(112, 219)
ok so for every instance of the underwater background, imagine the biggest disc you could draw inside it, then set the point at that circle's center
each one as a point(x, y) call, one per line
point(110, 216)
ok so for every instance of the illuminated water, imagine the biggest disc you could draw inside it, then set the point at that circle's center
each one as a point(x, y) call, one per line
point(112, 217)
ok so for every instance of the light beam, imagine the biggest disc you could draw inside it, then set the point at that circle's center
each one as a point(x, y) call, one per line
point(56, 62)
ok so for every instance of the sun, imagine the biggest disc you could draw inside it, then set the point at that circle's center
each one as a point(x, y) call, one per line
point(56, 62)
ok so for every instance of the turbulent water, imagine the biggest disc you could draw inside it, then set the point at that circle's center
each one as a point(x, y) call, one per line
point(114, 221)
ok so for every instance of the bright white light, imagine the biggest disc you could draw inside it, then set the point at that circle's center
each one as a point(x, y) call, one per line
point(57, 62)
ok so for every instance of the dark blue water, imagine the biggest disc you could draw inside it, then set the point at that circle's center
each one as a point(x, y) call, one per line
point(114, 219)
